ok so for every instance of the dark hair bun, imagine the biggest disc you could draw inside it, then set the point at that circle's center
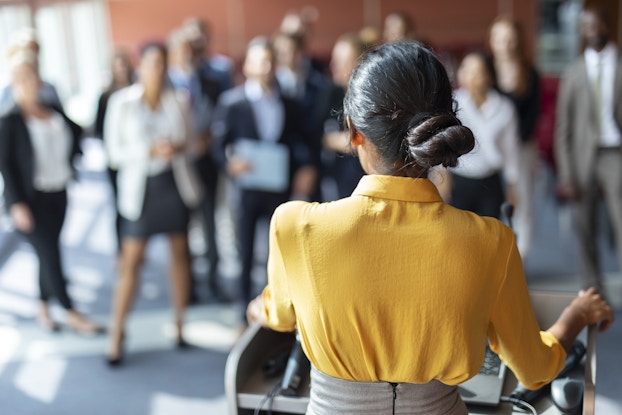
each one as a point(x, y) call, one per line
point(437, 140)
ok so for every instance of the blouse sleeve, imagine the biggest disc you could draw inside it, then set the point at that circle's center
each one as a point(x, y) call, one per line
point(13, 192)
point(534, 356)
point(122, 148)
point(278, 308)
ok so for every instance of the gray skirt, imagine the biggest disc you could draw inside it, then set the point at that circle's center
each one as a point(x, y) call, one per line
point(332, 396)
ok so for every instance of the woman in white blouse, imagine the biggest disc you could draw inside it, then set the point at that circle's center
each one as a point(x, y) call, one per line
point(148, 140)
point(487, 176)
point(37, 145)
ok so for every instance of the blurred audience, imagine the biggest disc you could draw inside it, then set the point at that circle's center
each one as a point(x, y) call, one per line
point(299, 24)
point(588, 139)
point(37, 146)
point(487, 176)
point(370, 36)
point(258, 117)
point(203, 93)
point(150, 143)
point(26, 39)
point(308, 87)
point(346, 169)
point(211, 65)
point(400, 26)
point(121, 76)
point(519, 81)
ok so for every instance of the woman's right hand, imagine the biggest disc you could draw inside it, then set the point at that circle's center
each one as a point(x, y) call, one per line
point(237, 166)
point(163, 149)
point(594, 308)
point(588, 308)
point(22, 217)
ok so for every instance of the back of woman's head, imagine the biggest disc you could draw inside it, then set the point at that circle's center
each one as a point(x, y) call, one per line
point(400, 98)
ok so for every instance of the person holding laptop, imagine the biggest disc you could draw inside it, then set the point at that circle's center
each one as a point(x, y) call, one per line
point(393, 292)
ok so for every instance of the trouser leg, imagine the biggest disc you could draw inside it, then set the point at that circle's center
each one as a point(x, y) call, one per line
point(609, 173)
point(585, 217)
point(524, 187)
point(209, 227)
point(49, 213)
point(247, 224)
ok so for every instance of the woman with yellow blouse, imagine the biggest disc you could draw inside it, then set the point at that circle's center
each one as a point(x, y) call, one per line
point(395, 293)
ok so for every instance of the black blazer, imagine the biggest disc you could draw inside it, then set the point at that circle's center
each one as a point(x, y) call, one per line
point(17, 158)
point(234, 119)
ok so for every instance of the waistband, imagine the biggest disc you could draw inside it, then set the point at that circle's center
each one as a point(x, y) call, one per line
point(332, 396)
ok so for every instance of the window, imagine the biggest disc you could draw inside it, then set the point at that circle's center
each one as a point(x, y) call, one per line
point(75, 48)
point(12, 17)
point(558, 42)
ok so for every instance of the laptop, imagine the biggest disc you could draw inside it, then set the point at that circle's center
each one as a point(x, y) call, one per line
point(485, 388)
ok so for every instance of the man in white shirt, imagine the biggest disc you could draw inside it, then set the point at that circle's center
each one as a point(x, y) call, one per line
point(588, 139)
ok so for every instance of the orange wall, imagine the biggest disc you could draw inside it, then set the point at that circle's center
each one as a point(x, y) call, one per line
point(444, 23)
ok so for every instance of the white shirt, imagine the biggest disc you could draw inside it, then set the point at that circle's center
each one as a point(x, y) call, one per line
point(608, 57)
point(495, 127)
point(128, 146)
point(291, 82)
point(51, 144)
point(156, 126)
point(268, 110)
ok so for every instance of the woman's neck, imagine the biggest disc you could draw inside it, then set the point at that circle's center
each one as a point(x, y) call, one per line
point(479, 96)
point(506, 58)
point(152, 97)
point(118, 84)
point(33, 110)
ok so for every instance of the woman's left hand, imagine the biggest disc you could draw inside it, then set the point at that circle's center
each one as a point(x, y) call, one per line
point(511, 195)
point(22, 217)
point(164, 149)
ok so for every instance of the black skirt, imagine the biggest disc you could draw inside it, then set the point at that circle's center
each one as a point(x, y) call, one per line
point(163, 210)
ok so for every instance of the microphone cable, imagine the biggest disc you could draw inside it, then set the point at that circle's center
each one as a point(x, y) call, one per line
point(524, 405)
point(268, 398)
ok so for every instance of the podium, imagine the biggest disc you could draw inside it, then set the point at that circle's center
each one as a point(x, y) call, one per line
point(246, 386)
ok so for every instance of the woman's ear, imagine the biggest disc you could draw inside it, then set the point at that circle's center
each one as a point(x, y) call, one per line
point(356, 138)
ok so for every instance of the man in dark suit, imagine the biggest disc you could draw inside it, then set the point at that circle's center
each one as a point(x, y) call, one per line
point(299, 81)
point(588, 138)
point(257, 112)
point(185, 75)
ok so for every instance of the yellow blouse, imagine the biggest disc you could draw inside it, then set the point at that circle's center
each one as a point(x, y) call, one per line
point(392, 284)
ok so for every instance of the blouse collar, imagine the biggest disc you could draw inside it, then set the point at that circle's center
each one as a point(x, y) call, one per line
point(398, 188)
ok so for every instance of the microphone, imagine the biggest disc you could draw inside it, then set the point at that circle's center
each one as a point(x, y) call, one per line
point(573, 358)
point(507, 211)
point(296, 371)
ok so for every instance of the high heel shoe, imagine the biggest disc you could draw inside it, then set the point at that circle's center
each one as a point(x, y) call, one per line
point(45, 321)
point(182, 344)
point(116, 361)
point(82, 326)
point(47, 324)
